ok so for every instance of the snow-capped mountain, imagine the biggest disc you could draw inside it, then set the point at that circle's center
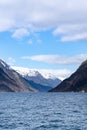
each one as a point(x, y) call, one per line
point(37, 76)
point(3, 64)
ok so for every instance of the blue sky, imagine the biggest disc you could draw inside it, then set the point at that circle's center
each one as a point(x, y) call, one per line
point(44, 34)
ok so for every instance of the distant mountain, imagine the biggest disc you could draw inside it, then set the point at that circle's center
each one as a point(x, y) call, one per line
point(39, 87)
point(44, 79)
point(11, 81)
point(77, 82)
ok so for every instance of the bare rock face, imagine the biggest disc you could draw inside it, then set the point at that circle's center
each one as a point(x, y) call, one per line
point(11, 81)
point(76, 82)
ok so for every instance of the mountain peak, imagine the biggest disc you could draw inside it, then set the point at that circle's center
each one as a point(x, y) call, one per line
point(3, 64)
point(37, 76)
point(84, 64)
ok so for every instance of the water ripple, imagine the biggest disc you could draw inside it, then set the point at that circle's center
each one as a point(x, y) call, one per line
point(43, 111)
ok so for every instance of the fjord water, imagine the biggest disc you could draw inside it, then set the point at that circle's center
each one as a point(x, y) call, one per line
point(43, 111)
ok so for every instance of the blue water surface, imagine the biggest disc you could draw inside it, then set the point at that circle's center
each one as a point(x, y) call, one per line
point(43, 111)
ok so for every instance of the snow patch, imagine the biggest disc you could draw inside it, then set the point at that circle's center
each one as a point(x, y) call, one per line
point(34, 72)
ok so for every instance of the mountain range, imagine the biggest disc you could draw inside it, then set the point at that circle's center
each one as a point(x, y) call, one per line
point(25, 80)
point(42, 78)
point(18, 81)
point(77, 82)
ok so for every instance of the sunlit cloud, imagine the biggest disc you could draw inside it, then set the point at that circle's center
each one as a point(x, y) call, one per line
point(19, 33)
point(10, 61)
point(66, 18)
point(58, 59)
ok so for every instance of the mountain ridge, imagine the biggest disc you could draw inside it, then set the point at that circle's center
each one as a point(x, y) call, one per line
point(11, 81)
point(46, 79)
point(77, 82)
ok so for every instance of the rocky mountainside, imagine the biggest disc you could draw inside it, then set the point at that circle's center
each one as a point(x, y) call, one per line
point(11, 81)
point(44, 79)
point(76, 82)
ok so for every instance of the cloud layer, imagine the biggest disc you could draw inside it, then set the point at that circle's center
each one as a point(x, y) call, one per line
point(67, 18)
point(60, 73)
point(58, 59)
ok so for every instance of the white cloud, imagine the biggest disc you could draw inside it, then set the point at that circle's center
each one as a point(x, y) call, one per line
point(10, 61)
point(35, 40)
point(60, 73)
point(75, 37)
point(19, 33)
point(30, 41)
point(69, 18)
point(72, 32)
point(58, 59)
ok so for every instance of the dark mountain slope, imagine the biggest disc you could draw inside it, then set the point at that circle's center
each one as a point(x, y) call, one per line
point(11, 81)
point(76, 82)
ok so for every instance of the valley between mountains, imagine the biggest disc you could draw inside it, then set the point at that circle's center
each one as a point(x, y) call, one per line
point(16, 79)
point(19, 79)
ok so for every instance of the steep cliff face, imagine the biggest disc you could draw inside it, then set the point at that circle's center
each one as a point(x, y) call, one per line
point(76, 82)
point(11, 81)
